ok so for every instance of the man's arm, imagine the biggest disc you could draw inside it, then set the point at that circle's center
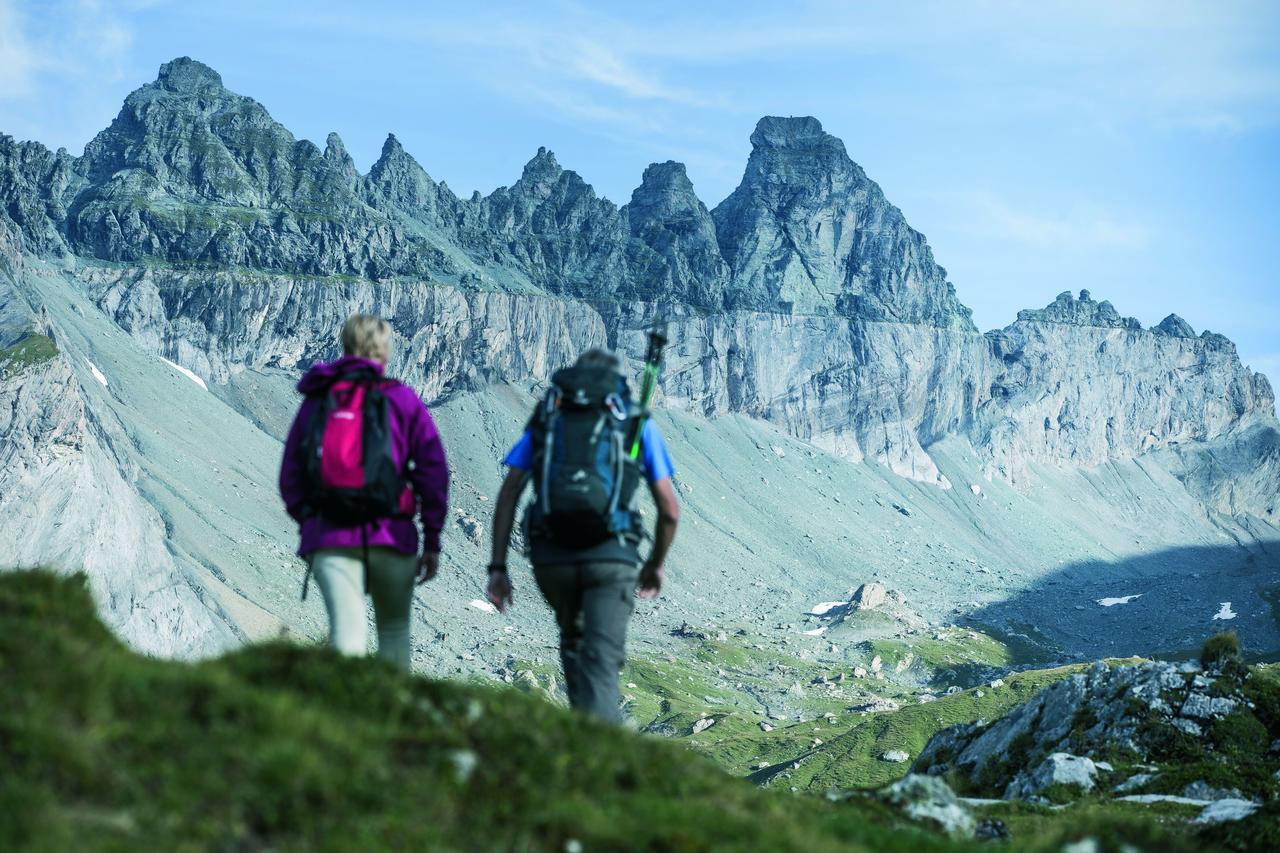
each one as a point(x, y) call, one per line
point(664, 533)
point(504, 514)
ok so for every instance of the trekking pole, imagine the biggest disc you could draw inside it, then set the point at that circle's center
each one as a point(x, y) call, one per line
point(649, 383)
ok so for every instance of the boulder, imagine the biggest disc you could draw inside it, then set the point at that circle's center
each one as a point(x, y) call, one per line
point(869, 596)
point(1059, 769)
point(929, 800)
point(1225, 810)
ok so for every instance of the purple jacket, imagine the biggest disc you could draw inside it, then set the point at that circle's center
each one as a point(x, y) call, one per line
point(413, 436)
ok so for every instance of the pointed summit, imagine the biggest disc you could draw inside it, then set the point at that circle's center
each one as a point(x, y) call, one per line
point(391, 147)
point(666, 214)
point(1175, 327)
point(541, 172)
point(185, 74)
point(396, 164)
point(808, 232)
point(399, 180)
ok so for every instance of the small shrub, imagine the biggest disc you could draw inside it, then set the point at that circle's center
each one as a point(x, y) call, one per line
point(1222, 653)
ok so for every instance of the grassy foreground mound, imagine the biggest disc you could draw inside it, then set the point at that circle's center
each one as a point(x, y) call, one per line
point(284, 747)
point(288, 747)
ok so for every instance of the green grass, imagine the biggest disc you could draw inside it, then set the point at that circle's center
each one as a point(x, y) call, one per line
point(30, 350)
point(853, 760)
point(1159, 826)
point(288, 747)
point(947, 657)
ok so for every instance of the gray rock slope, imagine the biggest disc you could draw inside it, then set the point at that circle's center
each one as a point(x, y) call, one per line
point(197, 229)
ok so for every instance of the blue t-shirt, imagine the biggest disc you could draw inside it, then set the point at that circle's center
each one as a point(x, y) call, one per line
point(655, 459)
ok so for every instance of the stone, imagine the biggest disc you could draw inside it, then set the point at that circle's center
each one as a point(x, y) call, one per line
point(1201, 790)
point(991, 829)
point(1133, 783)
point(703, 724)
point(470, 525)
point(929, 800)
point(1058, 769)
point(869, 596)
point(1203, 707)
point(895, 756)
point(1222, 811)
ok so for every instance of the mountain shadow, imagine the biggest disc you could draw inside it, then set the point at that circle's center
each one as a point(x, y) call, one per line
point(1159, 604)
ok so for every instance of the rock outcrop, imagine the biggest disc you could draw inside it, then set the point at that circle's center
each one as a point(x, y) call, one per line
point(1077, 733)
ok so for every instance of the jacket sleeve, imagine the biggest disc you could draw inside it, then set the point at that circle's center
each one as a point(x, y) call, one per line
point(293, 466)
point(430, 476)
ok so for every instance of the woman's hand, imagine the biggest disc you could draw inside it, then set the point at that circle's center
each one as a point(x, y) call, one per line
point(428, 566)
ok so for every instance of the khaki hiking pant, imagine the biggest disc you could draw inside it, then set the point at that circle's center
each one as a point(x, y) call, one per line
point(340, 574)
point(593, 603)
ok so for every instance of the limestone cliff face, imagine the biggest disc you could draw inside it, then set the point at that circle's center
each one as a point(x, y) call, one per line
point(1080, 385)
point(804, 298)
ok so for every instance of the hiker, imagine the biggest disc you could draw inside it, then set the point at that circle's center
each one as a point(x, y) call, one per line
point(582, 529)
point(362, 455)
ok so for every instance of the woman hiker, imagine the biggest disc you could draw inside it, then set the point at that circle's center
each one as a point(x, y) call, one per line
point(362, 456)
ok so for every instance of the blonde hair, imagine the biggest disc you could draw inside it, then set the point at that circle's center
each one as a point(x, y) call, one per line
point(367, 336)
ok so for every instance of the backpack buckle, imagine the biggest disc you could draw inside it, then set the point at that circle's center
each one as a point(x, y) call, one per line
point(616, 406)
point(552, 401)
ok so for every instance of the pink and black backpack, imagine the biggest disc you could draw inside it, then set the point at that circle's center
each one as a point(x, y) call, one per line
point(352, 475)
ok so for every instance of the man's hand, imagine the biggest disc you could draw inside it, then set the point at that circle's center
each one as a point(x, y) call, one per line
point(500, 591)
point(428, 565)
point(651, 577)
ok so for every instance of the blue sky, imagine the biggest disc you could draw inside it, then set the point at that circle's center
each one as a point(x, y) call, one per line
point(1131, 148)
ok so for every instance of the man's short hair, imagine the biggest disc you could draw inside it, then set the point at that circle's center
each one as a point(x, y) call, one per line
point(367, 336)
point(601, 358)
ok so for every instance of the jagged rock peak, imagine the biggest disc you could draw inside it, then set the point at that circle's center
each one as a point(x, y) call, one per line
point(394, 160)
point(391, 147)
point(542, 170)
point(335, 152)
point(185, 74)
point(1068, 310)
point(1175, 327)
point(808, 232)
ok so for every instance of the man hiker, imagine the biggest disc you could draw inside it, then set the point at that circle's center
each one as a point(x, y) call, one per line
point(362, 455)
point(582, 528)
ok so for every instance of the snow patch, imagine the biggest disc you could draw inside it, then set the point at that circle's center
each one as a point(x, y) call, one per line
point(1123, 599)
point(816, 632)
point(185, 372)
point(823, 607)
point(1224, 612)
point(97, 374)
point(482, 605)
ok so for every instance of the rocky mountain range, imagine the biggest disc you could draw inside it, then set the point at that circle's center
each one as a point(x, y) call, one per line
point(158, 293)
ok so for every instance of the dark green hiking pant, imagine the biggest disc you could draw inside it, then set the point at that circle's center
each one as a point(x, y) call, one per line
point(593, 603)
